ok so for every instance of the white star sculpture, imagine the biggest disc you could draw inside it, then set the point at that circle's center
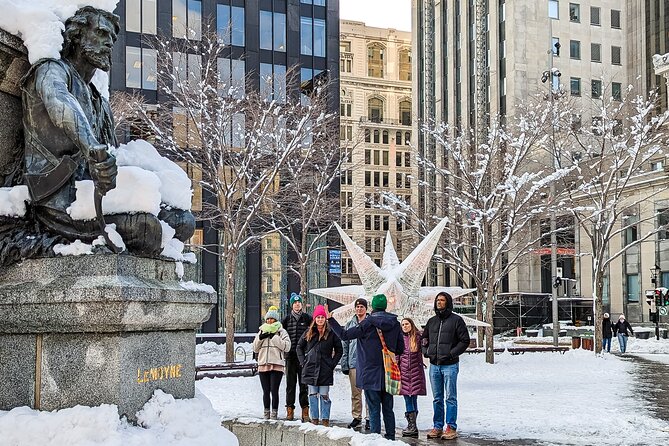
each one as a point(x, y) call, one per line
point(400, 282)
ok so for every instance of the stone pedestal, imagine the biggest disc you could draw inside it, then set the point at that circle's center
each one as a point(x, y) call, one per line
point(96, 329)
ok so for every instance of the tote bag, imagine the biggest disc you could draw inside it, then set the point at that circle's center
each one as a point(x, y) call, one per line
point(392, 370)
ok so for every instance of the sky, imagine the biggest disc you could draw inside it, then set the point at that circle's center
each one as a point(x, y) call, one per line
point(379, 13)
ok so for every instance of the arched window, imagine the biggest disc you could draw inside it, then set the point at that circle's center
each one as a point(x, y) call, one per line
point(384, 137)
point(375, 60)
point(405, 64)
point(405, 112)
point(269, 262)
point(269, 284)
point(407, 138)
point(398, 138)
point(376, 136)
point(375, 110)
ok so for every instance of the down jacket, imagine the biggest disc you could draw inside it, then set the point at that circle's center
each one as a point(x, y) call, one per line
point(412, 370)
point(272, 350)
point(445, 336)
point(319, 358)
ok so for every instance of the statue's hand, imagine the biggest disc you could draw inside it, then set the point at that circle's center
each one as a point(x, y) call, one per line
point(103, 169)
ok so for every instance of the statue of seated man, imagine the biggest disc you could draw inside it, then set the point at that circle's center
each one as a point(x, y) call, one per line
point(68, 126)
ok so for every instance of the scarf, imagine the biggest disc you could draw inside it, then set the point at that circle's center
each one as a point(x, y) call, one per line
point(270, 328)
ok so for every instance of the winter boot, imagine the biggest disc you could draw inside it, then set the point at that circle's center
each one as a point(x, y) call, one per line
point(325, 423)
point(412, 429)
point(434, 433)
point(449, 434)
point(290, 413)
point(367, 424)
point(273, 414)
point(355, 423)
point(314, 421)
point(305, 414)
point(266, 416)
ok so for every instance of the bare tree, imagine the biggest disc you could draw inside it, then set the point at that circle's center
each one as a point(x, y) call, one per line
point(240, 139)
point(610, 182)
point(491, 194)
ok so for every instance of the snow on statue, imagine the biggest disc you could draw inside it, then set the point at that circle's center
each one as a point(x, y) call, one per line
point(400, 282)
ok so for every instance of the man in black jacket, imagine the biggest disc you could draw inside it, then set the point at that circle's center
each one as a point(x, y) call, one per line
point(296, 323)
point(445, 338)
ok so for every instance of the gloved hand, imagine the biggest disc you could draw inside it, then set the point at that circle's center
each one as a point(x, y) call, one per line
point(102, 167)
point(345, 372)
point(264, 335)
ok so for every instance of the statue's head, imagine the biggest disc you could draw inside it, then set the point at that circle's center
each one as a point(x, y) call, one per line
point(92, 32)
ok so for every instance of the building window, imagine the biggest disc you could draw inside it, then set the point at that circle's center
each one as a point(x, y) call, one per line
point(375, 110)
point(230, 25)
point(597, 129)
point(405, 113)
point(656, 166)
point(575, 49)
point(617, 91)
point(616, 58)
point(556, 46)
point(398, 139)
point(574, 12)
point(314, 2)
point(405, 64)
point(312, 36)
point(595, 52)
point(596, 88)
point(615, 19)
point(663, 222)
point(232, 78)
point(595, 19)
point(269, 284)
point(375, 61)
point(269, 262)
point(141, 16)
point(187, 19)
point(553, 9)
point(273, 82)
point(376, 139)
point(272, 31)
point(384, 137)
point(632, 287)
point(140, 68)
point(187, 71)
point(575, 123)
point(575, 84)
point(407, 141)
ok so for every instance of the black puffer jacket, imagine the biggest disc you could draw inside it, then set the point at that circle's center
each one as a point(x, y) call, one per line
point(319, 357)
point(445, 336)
point(621, 327)
point(295, 328)
point(606, 328)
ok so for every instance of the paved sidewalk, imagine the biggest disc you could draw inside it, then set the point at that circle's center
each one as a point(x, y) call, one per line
point(652, 378)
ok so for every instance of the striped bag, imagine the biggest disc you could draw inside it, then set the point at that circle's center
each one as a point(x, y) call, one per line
point(392, 375)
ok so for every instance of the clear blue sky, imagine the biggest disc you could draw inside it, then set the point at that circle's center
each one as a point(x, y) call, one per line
point(380, 13)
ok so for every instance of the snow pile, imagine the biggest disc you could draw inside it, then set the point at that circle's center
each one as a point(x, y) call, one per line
point(651, 345)
point(547, 397)
point(163, 421)
point(114, 236)
point(13, 200)
point(136, 190)
point(175, 186)
point(194, 286)
point(78, 247)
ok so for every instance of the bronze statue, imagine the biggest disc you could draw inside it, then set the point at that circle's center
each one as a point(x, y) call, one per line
point(68, 126)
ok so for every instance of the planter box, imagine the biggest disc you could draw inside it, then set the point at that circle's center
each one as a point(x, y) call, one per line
point(642, 334)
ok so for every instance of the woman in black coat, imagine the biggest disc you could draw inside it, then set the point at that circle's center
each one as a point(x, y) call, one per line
point(319, 351)
point(607, 331)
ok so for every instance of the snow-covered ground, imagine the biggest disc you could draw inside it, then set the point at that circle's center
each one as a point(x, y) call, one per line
point(163, 421)
point(573, 398)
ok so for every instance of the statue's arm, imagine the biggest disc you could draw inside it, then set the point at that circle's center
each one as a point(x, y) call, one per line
point(62, 107)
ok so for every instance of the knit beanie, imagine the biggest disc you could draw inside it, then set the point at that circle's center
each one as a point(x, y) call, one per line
point(622, 317)
point(379, 302)
point(320, 311)
point(360, 301)
point(294, 297)
point(273, 313)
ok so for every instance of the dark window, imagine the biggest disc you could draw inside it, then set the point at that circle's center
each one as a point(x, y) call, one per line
point(376, 137)
point(375, 110)
point(616, 58)
point(596, 88)
point(398, 138)
point(575, 84)
point(595, 52)
point(595, 16)
point(617, 91)
point(575, 49)
point(663, 221)
point(556, 46)
point(398, 159)
point(615, 19)
point(384, 137)
point(574, 12)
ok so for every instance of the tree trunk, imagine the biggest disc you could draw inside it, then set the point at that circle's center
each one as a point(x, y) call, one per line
point(230, 272)
point(304, 286)
point(489, 344)
point(480, 331)
point(598, 313)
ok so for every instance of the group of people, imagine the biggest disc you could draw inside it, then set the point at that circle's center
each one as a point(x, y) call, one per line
point(622, 328)
point(308, 349)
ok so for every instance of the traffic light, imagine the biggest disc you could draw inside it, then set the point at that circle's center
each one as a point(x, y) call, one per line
point(665, 298)
point(658, 297)
point(662, 297)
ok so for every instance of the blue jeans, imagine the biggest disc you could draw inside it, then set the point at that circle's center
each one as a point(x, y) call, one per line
point(377, 401)
point(319, 394)
point(622, 340)
point(411, 402)
point(606, 344)
point(444, 377)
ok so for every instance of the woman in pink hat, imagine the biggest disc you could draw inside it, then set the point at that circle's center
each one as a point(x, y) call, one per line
point(319, 351)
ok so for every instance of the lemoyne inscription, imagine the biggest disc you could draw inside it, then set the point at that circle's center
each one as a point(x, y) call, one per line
point(159, 373)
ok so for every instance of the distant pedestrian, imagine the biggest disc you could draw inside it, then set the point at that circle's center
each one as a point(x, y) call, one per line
point(271, 344)
point(349, 365)
point(607, 331)
point(621, 328)
point(296, 323)
point(371, 373)
point(319, 352)
point(412, 371)
point(445, 338)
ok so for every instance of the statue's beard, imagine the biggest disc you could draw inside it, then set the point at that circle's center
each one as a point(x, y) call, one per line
point(99, 58)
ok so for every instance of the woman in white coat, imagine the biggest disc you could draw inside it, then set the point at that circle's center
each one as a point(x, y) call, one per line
point(271, 344)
